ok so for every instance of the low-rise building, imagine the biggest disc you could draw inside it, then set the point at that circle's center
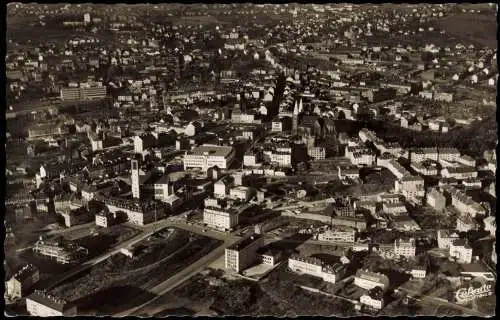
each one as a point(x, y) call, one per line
point(466, 223)
point(394, 208)
point(406, 248)
point(316, 267)
point(445, 238)
point(269, 256)
point(422, 154)
point(338, 235)
point(243, 253)
point(43, 304)
point(490, 225)
point(76, 216)
point(220, 218)
point(465, 204)
point(207, 156)
point(241, 193)
point(462, 172)
point(369, 280)
point(105, 219)
point(410, 186)
point(461, 251)
point(436, 199)
point(418, 272)
point(373, 298)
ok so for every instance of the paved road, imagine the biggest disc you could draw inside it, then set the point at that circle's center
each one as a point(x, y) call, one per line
point(446, 303)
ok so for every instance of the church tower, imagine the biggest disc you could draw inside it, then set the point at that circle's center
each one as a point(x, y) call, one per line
point(295, 118)
point(135, 180)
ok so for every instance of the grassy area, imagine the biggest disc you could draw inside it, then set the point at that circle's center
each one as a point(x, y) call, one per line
point(106, 238)
point(479, 29)
point(118, 290)
point(278, 295)
point(153, 250)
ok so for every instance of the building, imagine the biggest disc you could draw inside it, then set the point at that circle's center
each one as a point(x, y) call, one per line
point(43, 130)
point(467, 160)
point(317, 153)
point(83, 93)
point(338, 235)
point(24, 279)
point(43, 304)
point(422, 154)
point(494, 253)
point(282, 157)
point(462, 172)
point(397, 169)
point(373, 298)
point(137, 212)
point(445, 238)
point(277, 125)
point(466, 223)
point(136, 192)
point(394, 208)
point(243, 253)
point(460, 251)
point(76, 216)
point(418, 272)
point(369, 280)
point(64, 253)
point(105, 219)
point(490, 225)
point(436, 199)
point(270, 256)
point(449, 154)
point(405, 248)
point(207, 156)
point(222, 187)
point(350, 172)
point(410, 186)
point(424, 168)
point(465, 204)
point(317, 268)
point(241, 193)
point(220, 218)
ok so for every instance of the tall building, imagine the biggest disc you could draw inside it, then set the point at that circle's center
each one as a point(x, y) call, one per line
point(243, 253)
point(295, 118)
point(135, 180)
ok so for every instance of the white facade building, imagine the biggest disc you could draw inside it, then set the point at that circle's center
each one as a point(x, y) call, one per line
point(207, 156)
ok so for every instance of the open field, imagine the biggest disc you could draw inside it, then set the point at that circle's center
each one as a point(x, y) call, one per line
point(119, 287)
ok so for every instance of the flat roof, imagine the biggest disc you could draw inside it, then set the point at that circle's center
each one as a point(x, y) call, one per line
point(245, 242)
point(219, 151)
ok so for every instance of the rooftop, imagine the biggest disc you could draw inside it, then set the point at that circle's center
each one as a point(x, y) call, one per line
point(217, 151)
point(49, 300)
point(245, 242)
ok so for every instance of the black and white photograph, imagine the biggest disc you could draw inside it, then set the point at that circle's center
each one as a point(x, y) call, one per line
point(250, 159)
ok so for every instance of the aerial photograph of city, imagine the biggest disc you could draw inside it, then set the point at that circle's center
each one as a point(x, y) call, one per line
point(250, 159)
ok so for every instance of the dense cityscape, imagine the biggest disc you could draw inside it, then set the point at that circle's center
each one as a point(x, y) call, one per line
point(250, 159)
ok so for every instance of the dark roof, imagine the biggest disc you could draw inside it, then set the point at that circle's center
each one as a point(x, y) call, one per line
point(25, 272)
point(243, 243)
point(50, 301)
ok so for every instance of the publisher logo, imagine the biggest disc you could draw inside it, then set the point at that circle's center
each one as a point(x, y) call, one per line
point(464, 295)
